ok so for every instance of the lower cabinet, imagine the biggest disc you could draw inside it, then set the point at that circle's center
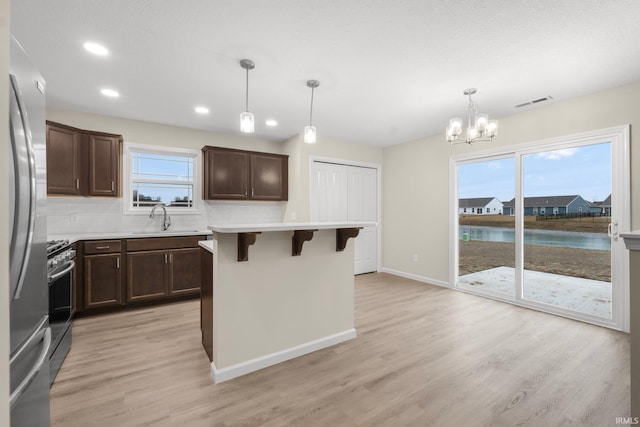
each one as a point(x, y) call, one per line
point(102, 280)
point(137, 270)
point(146, 275)
point(155, 274)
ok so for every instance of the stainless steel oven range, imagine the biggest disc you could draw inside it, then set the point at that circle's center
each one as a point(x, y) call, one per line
point(60, 270)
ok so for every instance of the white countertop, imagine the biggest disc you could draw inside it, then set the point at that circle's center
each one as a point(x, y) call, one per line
point(126, 235)
point(207, 244)
point(285, 226)
point(632, 240)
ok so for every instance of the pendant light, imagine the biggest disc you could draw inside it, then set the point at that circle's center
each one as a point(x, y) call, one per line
point(246, 118)
point(310, 131)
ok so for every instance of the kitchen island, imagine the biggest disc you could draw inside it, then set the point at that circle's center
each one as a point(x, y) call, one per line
point(272, 292)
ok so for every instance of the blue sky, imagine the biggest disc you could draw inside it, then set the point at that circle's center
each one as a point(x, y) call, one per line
point(580, 170)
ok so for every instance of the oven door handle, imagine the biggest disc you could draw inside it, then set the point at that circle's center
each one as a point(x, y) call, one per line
point(56, 276)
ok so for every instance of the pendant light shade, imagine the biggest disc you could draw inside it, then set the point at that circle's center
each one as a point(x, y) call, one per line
point(246, 118)
point(310, 134)
point(310, 131)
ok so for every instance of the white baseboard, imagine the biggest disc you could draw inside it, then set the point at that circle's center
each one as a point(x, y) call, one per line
point(416, 277)
point(243, 368)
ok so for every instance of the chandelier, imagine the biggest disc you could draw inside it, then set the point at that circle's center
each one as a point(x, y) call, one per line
point(483, 129)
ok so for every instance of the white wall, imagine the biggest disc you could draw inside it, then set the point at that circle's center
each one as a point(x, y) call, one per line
point(4, 216)
point(299, 168)
point(417, 174)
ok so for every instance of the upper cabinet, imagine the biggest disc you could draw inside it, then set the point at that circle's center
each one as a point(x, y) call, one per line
point(82, 163)
point(63, 160)
point(244, 175)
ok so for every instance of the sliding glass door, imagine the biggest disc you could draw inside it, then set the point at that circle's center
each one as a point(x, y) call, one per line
point(566, 213)
point(486, 233)
point(538, 225)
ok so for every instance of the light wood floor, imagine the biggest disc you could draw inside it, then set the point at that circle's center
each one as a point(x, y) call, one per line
point(424, 356)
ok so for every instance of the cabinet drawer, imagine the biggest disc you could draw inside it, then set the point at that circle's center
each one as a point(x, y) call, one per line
point(101, 247)
point(160, 243)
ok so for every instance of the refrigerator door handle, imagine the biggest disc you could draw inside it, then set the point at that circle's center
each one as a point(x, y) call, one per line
point(22, 118)
point(33, 372)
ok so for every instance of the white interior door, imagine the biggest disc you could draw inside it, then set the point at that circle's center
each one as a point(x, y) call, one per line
point(362, 206)
point(348, 193)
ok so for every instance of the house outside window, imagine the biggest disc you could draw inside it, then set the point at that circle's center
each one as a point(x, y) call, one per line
point(535, 211)
point(542, 211)
point(555, 211)
point(166, 176)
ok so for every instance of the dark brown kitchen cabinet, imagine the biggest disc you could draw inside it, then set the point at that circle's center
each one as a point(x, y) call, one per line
point(102, 280)
point(231, 174)
point(162, 267)
point(146, 275)
point(184, 271)
point(114, 274)
point(206, 302)
point(81, 162)
point(63, 160)
point(104, 165)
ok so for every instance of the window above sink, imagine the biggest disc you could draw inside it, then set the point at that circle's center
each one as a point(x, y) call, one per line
point(161, 175)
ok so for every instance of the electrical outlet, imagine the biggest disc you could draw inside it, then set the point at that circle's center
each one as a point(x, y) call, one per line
point(415, 257)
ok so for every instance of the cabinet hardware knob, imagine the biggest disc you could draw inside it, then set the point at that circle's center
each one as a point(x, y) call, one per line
point(118, 262)
point(102, 247)
point(165, 258)
point(113, 184)
point(77, 183)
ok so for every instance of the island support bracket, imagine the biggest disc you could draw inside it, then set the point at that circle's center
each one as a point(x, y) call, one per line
point(244, 241)
point(343, 234)
point(299, 237)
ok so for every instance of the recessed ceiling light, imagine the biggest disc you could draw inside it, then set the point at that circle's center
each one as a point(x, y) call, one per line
point(202, 110)
point(96, 49)
point(110, 93)
point(271, 122)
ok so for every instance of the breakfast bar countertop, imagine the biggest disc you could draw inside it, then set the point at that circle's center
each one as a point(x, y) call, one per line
point(286, 226)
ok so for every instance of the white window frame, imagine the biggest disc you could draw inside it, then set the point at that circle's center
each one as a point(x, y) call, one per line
point(127, 170)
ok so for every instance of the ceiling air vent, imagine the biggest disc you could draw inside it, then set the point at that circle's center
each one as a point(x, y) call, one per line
point(535, 101)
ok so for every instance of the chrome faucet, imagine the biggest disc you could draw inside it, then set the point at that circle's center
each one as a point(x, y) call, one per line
point(166, 223)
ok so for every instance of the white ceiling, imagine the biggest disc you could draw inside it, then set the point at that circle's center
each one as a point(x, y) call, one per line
point(390, 70)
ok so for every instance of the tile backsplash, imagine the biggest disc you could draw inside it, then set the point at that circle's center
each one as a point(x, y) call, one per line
point(104, 215)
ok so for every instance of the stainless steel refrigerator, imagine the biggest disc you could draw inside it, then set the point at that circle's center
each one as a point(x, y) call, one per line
point(30, 332)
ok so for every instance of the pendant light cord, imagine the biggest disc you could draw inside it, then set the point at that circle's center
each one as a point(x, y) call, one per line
point(311, 109)
point(247, 93)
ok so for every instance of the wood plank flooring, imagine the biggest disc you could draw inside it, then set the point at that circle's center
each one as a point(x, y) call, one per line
point(424, 356)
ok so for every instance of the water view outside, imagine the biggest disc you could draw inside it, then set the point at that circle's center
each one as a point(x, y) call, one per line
point(569, 239)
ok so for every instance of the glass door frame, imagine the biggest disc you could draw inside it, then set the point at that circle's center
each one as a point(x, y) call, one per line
point(618, 137)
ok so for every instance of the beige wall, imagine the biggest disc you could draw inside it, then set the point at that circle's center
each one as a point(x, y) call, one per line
point(157, 134)
point(4, 216)
point(299, 166)
point(261, 306)
point(416, 175)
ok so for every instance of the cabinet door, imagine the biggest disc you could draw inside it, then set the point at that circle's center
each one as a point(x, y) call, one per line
point(269, 177)
point(147, 275)
point(63, 161)
point(104, 159)
point(226, 174)
point(102, 280)
point(206, 301)
point(184, 271)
